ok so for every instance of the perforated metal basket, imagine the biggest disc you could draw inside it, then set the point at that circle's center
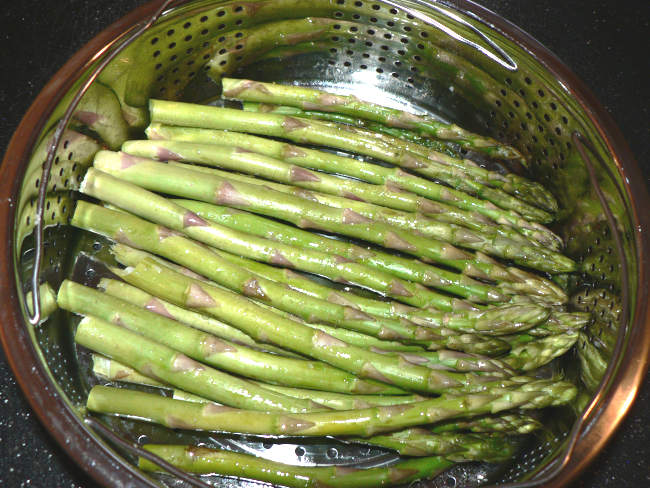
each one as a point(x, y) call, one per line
point(451, 59)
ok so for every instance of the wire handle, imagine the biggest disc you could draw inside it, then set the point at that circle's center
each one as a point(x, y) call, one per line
point(34, 316)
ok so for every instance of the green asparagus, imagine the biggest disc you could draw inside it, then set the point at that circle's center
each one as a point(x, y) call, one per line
point(349, 192)
point(364, 422)
point(202, 460)
point(393, 178)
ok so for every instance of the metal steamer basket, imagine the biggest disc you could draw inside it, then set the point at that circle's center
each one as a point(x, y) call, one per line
point(452, 59)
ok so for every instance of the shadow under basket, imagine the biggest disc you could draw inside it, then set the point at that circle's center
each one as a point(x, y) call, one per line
point(454, 60)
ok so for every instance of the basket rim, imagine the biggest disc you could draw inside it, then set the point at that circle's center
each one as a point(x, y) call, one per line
point(109, 469)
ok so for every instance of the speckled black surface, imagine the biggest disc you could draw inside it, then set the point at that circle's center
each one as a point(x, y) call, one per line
point(604, 42)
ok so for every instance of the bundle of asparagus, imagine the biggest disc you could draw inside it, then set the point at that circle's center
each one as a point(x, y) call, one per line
point(406, 305)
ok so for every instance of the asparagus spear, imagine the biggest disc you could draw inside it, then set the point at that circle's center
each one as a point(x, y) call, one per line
point(447, 360)
point(469, 343)
point(409, 269)
point(349, 191)
point(202, 460)
point(214, 189)
point(442, 359)
point(561, 323)
point(142, 299)
point(504, 423)
point(210, 350)
point(163, 211)
point(455, 446)
point(115, 371)
point(339, 401)
point(335, 401)
point(186, 252)
point(135, 296)
point(312, 132)
point(461, 174)
point(593, 361)
point(169, 366)
point(445, 437)
point(390, 177)
point(313, 99)
point(267, 326)
point(405, 268)
point(406, 134)
point(364, 422)
point(534, 354)
point(491, 321)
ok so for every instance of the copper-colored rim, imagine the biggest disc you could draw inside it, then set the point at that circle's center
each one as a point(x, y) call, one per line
point(632, 369)
point(90, 453)
point(108, 468)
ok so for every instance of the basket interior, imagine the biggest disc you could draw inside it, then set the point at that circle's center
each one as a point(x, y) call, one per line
point(384, 53)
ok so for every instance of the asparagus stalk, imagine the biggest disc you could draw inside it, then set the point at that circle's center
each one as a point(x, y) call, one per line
point(442, 359)
point(447, 360)
point(339, 401)
point(186, 252)
point(491, 321)
point(363, 422)
point(390, 177)
point(470, 343)
point(112, 370)
point(455, 446)
point(406, 134)
point(513, 423)
point(165, 212)
point(142, 299)
point(115, 371)
point(416, 271)
point(303, 213)
point(312, 132)
point(537, 353)
point(210, 350)
point(510, 183)
point(561, 323)
point(169, 366)
point(234, 158)
point(263, 324)
point(313, 99)
point(202, 460)
point(593, 361)
point(461, 174)
point(335, 401)
point(405, 268)
point(505, 423)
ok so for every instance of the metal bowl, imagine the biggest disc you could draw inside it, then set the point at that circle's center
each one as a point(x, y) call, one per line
point(486, 75)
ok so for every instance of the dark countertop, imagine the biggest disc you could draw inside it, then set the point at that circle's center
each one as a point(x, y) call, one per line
point(603, 42)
